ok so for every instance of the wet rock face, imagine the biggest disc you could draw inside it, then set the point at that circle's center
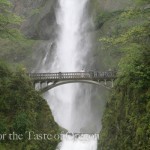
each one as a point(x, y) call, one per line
point(40, 21)
point(25, 7)
point(40, 26)
point(109, 5)
point(39, 17)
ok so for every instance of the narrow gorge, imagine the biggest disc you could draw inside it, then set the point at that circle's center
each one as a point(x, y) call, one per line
point(91, 38)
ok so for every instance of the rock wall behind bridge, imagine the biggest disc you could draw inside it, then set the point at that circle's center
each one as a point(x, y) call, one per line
point(40, 22)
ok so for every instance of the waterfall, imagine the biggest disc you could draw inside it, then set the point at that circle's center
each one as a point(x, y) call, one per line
point(79, 144)
point(71, 103)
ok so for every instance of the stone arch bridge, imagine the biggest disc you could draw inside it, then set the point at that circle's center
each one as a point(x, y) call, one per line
point(47, 81)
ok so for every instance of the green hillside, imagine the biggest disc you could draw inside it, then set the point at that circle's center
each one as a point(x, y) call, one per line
point(126, 121)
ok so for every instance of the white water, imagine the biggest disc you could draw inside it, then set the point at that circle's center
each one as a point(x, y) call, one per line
point(79, 145)
point(82, 143)
point(71, 104)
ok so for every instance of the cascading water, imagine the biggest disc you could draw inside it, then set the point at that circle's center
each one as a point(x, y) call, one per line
point(71, 103)
point(70, 52)
point(79, 144)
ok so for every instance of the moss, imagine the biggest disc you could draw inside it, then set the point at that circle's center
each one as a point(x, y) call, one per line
point(23, 109)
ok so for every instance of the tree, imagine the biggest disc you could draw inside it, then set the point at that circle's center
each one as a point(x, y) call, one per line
point(9, 22)
point(23, 109)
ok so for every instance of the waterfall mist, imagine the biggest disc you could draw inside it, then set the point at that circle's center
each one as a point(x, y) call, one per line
point(79, 144)
point(72, 105)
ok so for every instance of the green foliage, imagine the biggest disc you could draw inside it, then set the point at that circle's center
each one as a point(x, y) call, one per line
point(133, 34)
point(17, 52)
point(21, 123)
point(23, 109)
point(14, 47)
point(103, 17)
point(126, 119)
point(8, 21)
point(141, 2)
point(4, 4)
point(35, 11)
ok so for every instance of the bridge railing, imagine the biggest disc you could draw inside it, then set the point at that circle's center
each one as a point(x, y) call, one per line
point(72, 75)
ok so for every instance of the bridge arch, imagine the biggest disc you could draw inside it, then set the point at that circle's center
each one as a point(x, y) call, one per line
point(59, 83)
point(52, 80)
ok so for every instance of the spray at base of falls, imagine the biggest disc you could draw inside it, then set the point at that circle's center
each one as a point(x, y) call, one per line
point(83, 142)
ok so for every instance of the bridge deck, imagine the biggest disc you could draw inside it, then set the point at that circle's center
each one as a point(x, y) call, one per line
point(60, 76)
